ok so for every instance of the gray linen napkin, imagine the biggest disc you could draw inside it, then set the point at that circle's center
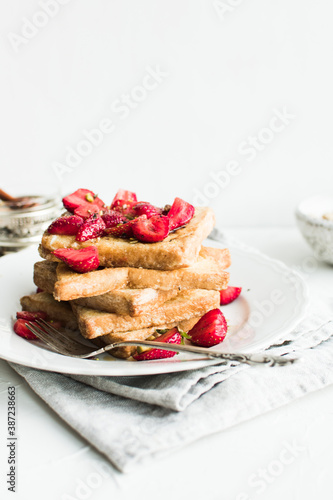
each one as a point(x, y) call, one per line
point(133, 420)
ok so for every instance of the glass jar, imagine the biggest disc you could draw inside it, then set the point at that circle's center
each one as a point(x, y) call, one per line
point(23, 222)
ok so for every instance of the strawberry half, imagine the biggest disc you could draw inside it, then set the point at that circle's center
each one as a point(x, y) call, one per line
point(91, 228)
point(180, 213)
point(31, 316)
point(124, 195)
point(210, 330)
point(112, 218)
point(229, 294)
point(151, 230)
point(87, 210)
point(171, 337)
point(81, 197)
point(21, 330)
point(81, 261)
point(145, 208)
point(66, 225)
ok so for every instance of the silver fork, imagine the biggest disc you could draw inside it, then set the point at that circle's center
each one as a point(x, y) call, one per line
point(67, 346)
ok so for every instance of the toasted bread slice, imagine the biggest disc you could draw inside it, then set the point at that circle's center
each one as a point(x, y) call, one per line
point(124, 301)
point(45, 275)
point(128, 302)
point(180, 249)
point(144, 334)
point(207, 273)
point(187, 304)
point(62, 312)
point(58, 311)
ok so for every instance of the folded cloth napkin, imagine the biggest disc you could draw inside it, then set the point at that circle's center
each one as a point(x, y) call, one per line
point(132, 420)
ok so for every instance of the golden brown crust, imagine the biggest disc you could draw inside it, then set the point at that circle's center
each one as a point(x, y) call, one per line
point(128, 302)
point(186, 305)
point(207, 273)
point(58, 311)
point(179, 249)
point(45, 275)
point(71, 285)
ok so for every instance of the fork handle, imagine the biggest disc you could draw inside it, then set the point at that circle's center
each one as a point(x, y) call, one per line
point(249, 359)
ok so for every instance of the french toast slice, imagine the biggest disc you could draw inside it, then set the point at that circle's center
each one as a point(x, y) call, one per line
point(45, 275)
point(58, 311)
point(61, 311)
point(123, 301)
point(185, 305)
point(180, 249)
point(207, 273)
point(128, 302)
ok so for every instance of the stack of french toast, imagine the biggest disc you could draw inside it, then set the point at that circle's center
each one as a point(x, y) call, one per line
point(128, 270)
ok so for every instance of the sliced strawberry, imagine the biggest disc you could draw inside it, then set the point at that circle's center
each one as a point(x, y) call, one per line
point(87, 210)
point(229, 294)
point(124, 195)
point(112, 218)
point(171, 337)
point(180, 213)
point(151, 230)
point(210, 329)
point(23, 331)
point(31, 316)
point(81, 197)
point(91, 228)
point(125, 207)
point(81, 261)
point(56, 324)
point(122, 230)
point(145, 208)
point(66, 225)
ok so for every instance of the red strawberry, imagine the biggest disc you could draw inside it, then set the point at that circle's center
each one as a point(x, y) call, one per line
point(91, 228)
point(151, 230)
point(124, 195)
point(81, 197)
point(125, 207)
point(66, 225)
point(21, 330)
point(112, 218)
point(180, 213)
point(87, 210)
point(171, 337)
point(210, 329)
point(229, 294)
point(56, 324)
point(31, 316)
point(120, 231)
point(145, 208)
point(81, 261)
point(123, 230)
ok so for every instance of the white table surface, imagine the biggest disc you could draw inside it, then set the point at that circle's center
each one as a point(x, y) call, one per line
point(55, 463)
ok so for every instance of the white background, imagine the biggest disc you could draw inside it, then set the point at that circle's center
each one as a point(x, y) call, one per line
point(227, 72)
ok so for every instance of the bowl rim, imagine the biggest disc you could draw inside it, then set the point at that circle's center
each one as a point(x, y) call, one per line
point(327, 224)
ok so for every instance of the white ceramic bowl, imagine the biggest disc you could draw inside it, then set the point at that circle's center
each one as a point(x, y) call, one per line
point(317, 231)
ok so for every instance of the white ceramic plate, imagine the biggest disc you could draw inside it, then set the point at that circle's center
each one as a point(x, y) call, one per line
point(273, 301)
